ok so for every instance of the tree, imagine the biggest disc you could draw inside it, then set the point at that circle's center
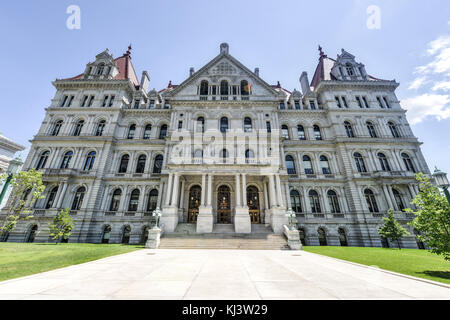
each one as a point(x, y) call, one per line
point(27, 188)
point(62, 225)
point(432, 217)
point(392, 229)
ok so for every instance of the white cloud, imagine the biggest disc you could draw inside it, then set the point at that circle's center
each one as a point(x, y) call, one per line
point(443, 85)
point(439, 49)
point(417, 83)
point(427, 105)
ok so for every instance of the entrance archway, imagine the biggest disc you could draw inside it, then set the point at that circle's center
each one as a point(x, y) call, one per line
point(253, 204)
point(223, 205)
point(194, 203)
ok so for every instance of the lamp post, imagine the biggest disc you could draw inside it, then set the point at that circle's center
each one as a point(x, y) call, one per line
point(442, 181)
point(13, 167)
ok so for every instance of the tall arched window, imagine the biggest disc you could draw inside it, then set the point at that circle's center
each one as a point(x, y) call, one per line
point(245, 88)
point(307, 164)
point(301, 132)
point(398, 199)
point(106, 234)
point(134, 200)
point(66, 160)
point(224, 155)
point(342, 237)
point(371, 129)
point(100, 128)
point(322, 237)
point(314, 201)
point(384, 164)
point(152, 200)
point(247, 124)
point(126, 233)
point(317, 133)
point(249, 154)
point(90, 159)
point(285, 131)
point(408, 162)
point(158, 164)
point(140, 165)
point(78, 199)
point(147, 131)
point(42, 160)
point(295, 201)
point(333, 201)
point(394, 130)
point(359, 162)
point(290, 165)
point(204, 88)
point(32, 233)
point(131, 131)
point(115, 200)
point(124, 163)
point(325, 165)
point(224, 88)
point(57, 127)
point(223, 124)
point(51, 198)
point(370, 200)
point(349, 129)
point(78, 126)
point(163, 131)
point(200, 124)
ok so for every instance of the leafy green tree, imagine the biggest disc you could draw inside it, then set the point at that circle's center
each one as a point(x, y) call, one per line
point(27, 188)
point(432, 217)
point(61, 226)
point(392, 229)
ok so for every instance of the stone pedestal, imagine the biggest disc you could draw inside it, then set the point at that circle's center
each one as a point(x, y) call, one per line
point(242, 222)
point(205, 220)
point(153, 240)
point(278, 219)
point(293, 237)
point(169, 219)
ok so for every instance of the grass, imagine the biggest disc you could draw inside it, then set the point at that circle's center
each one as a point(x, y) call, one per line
point(413, 262)
point(22, 259)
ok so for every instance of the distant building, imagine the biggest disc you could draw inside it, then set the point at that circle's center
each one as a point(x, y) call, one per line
point(8, 149)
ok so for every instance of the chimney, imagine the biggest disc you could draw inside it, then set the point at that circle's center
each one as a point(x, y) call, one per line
point(257, 71)
point(304, 82)
point(145, 81)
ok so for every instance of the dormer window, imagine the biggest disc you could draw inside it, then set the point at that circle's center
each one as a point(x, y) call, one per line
point(312, 104)
point(136, 103)
point(297, 104)
point(152, 104)
point(349, 69)
point(282, 107)
point(100, 69)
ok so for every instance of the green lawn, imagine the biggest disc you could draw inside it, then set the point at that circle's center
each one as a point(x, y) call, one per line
point(414, 262)
point(21, 259)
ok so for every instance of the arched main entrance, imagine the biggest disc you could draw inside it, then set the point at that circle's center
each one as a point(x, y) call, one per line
point(194, 202)
point(253, 204)
point(223, 205)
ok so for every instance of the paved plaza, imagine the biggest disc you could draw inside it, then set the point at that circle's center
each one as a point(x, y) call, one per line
point(220, 274)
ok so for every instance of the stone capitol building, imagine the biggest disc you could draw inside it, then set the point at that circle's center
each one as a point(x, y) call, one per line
point(224, 151)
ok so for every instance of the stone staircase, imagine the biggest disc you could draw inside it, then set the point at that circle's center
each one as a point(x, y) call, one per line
point(223, 237)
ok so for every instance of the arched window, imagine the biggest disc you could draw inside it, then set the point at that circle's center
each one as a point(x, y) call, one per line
point(90, 159)
point(124, 163)
point(342, 237)
point(359, 162)
point(78, 127)
point(163, 131)
point(394, 130)
point(200, 124)
point(140, 165)
point(115, 200)
point(333, 201)
point(126, 232)
point(158, 164)
point(314, 201)
point(245, 88)
point(51, 198)
point(325, 165)
point(302, 234)
point(307, 164)
point(42, 160)
point(134, 200)
point(78, 199)
point(408, 162)
point(249, 154)
point(384, 164)
point(224, 154)
point(100, 127)
point(147, 131)
point(247, 124)
point(349, 129)
point(32, 233)
point(371, 201)
point(295, 201)
point(106, 234)
point(398, 199)
point(66, 160)
point(152, 200)
point(371, 129)
point(224, 88)
point(317, 134)
point(223, 124)
point(322, 237)
point(290, 165)
point(285, 131)
point(131, 131)
point(301, 132)
point(204, 88)
point(57, 127)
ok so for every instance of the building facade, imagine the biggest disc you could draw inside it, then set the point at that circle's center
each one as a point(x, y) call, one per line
point(225, 147)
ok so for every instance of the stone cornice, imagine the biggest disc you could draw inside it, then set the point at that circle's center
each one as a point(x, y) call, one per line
point(334, 84)
point(86, 83)
point(228, 103)
point(10, 145)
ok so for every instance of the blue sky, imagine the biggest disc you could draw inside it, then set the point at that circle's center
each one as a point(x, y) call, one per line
point(411, 46)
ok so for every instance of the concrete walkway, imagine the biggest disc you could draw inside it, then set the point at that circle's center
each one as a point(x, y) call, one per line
point(219, 274)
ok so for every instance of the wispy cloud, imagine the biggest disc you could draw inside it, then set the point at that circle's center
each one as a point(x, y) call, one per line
point(418, 83)
point(427, 105)
point(443, 85)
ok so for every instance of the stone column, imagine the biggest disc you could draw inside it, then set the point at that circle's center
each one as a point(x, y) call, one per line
point(288, 196)
point(181, 205)
point(175, 190)
point(160, 192)
point(209, 190)
point(169, 188)
point(238, 192)
point(244, 190)
point(272, 191)
point(266, 196)
point(279, 194)
point(205, 217)
point(203, 190)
